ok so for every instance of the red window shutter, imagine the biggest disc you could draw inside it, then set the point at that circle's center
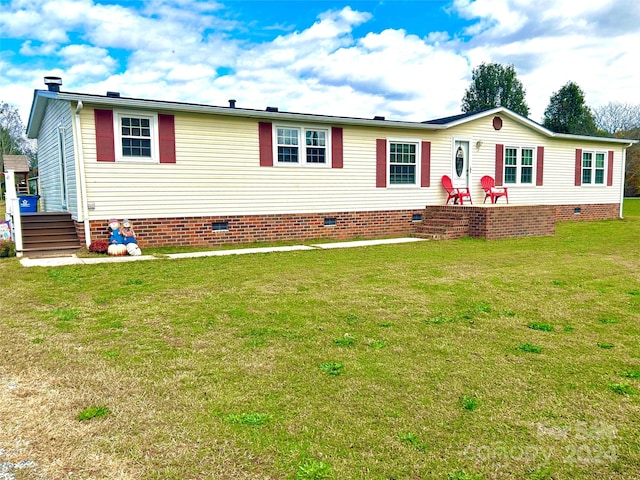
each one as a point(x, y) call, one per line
point(167, 137)
point(265, 141)
point(539, 166)
point(105, 145)
point(336, 147)
point(381, 163)
point(425, 167)
point(578, 172)
point(610, 169)
point(499, 163)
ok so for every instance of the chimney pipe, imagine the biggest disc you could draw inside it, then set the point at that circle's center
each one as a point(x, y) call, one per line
point(232, 103)
point(53, 83)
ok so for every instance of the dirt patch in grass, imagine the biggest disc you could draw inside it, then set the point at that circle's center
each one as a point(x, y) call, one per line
point(38, 427)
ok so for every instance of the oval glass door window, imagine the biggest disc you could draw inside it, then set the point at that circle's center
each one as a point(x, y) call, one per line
point(459, 161)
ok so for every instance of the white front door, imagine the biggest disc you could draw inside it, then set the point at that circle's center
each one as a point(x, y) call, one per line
point(460, 170)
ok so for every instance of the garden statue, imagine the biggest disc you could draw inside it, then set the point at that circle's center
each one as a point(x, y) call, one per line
point(116, 240)
point(129, 237)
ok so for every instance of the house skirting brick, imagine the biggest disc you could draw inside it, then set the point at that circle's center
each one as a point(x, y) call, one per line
point(490, 222)
point(512, 221)
point(199, 231)
point(593, 211)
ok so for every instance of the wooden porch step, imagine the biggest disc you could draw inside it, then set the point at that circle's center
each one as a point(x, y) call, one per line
point(46, 217)
point(54, 230)
point(49, 242)
point(48, 234)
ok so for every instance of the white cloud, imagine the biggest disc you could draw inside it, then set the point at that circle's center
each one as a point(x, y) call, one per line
point(21, 23)
point(496, 15)
point(29, 50)
point(186, 73)
point(556, 42)
point(324, 70)
point(78, 64)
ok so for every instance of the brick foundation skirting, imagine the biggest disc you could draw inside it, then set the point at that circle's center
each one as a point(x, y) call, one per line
point(587, 212)
point(508, 221)
point(199, 231)
point(514, 221)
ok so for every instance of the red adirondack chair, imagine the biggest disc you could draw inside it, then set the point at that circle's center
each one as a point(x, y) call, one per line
point(491, 191)
point(458, 194)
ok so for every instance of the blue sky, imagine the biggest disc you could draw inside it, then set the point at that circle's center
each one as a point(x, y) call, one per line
point(406, 60)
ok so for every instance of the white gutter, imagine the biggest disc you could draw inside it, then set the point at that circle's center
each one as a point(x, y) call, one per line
point(82, 192)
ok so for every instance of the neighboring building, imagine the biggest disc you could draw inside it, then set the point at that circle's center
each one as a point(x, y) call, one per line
point(189, 174)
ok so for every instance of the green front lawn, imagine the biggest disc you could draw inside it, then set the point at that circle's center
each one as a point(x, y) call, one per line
point(515, 359)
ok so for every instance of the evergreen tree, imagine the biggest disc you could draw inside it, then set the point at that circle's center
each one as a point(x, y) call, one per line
point(495, 85)
point(568, 113)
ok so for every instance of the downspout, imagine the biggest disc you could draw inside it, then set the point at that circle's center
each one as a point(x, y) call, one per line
point(624, 167)
point(81, 174)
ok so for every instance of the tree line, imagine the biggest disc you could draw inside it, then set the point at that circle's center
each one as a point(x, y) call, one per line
point(495, 85)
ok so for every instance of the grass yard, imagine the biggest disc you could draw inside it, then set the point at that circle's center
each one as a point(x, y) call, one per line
point(458, 360)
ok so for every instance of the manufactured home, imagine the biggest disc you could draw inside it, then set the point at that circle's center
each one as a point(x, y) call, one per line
point(192, 174)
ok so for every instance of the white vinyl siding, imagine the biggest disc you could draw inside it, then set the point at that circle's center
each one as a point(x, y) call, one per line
point(218, 172)
point(56, 125)
point(559, 163)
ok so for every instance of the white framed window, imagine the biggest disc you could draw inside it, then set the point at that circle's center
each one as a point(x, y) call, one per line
point(136, 138)
point(593, 168)
point(302, 145)
point(519, 164)
point(403, 160)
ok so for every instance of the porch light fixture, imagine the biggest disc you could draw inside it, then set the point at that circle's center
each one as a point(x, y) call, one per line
point(478, 144)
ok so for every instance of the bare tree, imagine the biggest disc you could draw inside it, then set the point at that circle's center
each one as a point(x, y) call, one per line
point(617, 117)
point(623, 120)
point(13, 140)
point(632, 172)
